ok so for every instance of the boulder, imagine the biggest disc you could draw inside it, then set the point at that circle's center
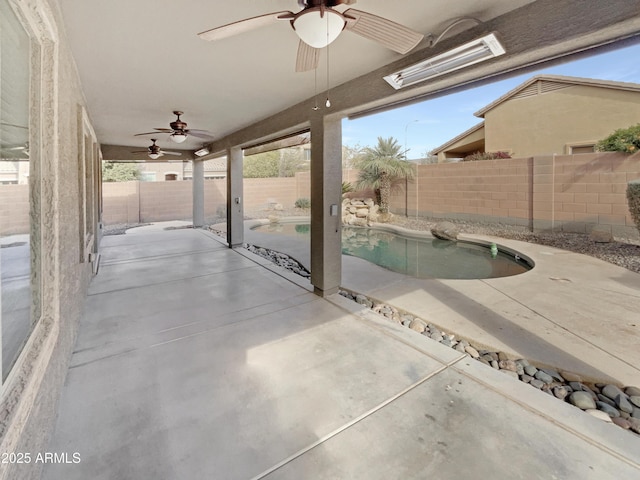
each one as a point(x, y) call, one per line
point(445, 231)
point(601, 235)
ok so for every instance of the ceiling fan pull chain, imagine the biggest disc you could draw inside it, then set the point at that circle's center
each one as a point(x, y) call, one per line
point(315, 88)
point(328, 102)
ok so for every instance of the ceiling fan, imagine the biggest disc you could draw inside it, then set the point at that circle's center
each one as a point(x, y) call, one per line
point(179, 131)
point(318, 24)
point(154, 151)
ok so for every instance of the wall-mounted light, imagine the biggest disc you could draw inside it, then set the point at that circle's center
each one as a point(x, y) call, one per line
point(463, 56)
point(202, 152)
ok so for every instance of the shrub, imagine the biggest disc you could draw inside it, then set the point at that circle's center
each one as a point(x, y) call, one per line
point(303, 203)
point(346, 187)
point(633, 200)
point(486, 156)
point(625, 140)
point(119, 172)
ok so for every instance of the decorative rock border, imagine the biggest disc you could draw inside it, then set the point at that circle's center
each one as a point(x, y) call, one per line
point(280, 259)
point(607, 402)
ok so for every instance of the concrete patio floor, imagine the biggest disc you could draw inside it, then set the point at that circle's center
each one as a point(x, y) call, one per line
point(197, 361)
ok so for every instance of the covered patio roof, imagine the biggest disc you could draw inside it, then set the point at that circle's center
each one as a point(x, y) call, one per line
point(245, 91)
point(141, 61)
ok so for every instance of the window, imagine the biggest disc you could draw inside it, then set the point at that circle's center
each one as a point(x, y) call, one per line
point(147, 176)
point(575, 149)
point(19, 308)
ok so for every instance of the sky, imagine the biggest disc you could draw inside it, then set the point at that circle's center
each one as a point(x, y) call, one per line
point(424, 126)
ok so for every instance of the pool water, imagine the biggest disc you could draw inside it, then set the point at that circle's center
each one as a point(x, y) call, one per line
point(417, 257)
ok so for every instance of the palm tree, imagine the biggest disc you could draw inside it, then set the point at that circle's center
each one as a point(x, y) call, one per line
point(382, 168)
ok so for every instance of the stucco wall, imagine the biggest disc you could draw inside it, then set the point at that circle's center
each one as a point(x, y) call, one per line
point(30, 395)
point(544, 124)
point(569, 192)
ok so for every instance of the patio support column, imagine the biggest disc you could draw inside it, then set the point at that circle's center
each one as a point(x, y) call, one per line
point(235, 209)
point(198, 193)
point(326, 204)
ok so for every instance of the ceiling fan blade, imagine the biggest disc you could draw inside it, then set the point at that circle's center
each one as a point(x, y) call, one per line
point(386, 32)
point(307, 57)
point(14, 147)
point(242, 26)
point(140, 151)
point(148, 133)
point(164, 130)
point(169, 153)
point(199, 133)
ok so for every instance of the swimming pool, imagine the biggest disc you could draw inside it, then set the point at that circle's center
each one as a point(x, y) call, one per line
point(426, 257)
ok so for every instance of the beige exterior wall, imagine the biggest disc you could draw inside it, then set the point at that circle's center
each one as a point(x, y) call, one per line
point(474, 142)
point(549, 123)
point(568, 193)
point(64, 198)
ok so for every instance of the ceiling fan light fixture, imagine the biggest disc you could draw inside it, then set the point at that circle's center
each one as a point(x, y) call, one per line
point(178, 137)
point(318, 28)
point(154, 156)
point(470, 53)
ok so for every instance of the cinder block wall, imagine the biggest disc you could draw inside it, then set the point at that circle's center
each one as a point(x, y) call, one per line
point(570, 193)
point(260, 192)
point(160, 201)
point(134, 202)
point(14, 209)
point(122, 203)
point(577, 192)
point(490, 190)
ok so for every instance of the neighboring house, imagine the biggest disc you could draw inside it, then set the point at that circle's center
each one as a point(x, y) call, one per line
point(161, 171)
point(214, 168)
point(549, 114)
point(13, 172)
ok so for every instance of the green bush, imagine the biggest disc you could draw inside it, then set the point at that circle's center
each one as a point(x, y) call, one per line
point(119, 172)
point(303, 203)
point(346, 187)
point(625, 140)
point(633, 200)
point(486, 156)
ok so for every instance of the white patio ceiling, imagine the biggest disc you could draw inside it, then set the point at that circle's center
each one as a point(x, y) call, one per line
point(140, 60)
